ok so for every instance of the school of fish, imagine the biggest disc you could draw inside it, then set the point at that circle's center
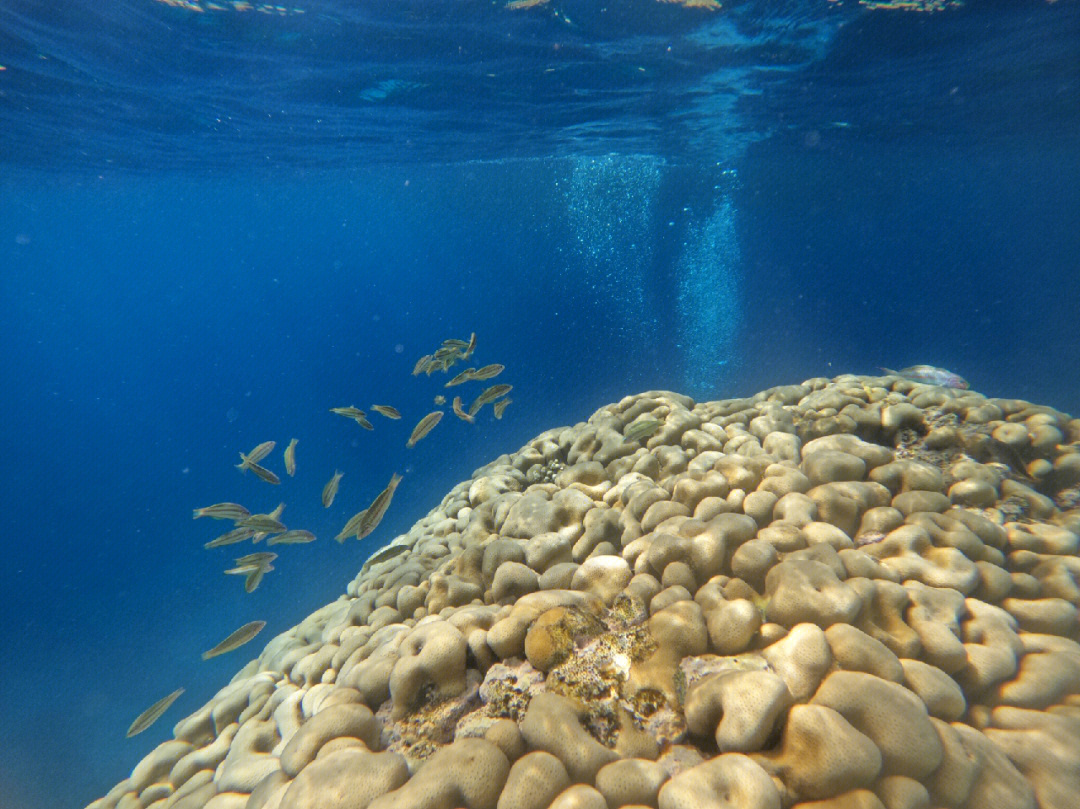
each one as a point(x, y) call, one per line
point(255, 527)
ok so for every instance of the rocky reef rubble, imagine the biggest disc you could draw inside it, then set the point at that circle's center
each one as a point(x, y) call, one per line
point(858, 592)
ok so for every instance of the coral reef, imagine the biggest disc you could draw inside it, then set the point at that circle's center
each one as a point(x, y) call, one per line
point(861, 591)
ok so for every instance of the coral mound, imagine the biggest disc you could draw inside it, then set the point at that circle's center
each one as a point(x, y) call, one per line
point(850, 592)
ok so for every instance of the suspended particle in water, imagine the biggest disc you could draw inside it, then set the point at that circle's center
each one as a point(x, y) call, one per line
point(232, 414)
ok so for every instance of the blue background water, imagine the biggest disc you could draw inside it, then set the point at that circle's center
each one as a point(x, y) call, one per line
point(215, 226)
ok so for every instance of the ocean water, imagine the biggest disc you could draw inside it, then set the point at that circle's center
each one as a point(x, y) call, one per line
point(217, 221)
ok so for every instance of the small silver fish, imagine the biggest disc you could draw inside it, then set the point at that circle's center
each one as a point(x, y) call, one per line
point(256, 576)
point(389, 552)
point(450, 352)
point(929, 375)
point(264, 474)
point(354, 413)
point(640, 430)
point(421, 364)
point(222, 511)
point(260, 558)
point(489, 395)
point(255, 455)
point(231, 538)
point(423, 427)
point(151, 714)
point(350, 526)
point(464, 376)
point(329, 491)
point(275, 514)
point(349, 412)
point(373, 514)
point(459, 411)
point(488, 371)
point(262, 522)
point(290, 458)
point(243, 570)
point(296, 536)
point(235, 640)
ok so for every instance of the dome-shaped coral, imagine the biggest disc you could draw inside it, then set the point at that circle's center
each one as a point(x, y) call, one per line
point(851, 592)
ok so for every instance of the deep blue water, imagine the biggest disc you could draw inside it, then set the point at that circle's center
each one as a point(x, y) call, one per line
point(215, 226)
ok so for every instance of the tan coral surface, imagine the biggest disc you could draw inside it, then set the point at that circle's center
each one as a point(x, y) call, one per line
point(852, 592)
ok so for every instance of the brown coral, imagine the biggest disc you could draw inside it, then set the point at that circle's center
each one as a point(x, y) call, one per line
point(858, 592)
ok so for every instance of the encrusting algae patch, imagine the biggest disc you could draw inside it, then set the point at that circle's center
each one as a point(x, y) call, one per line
point(857, 592)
